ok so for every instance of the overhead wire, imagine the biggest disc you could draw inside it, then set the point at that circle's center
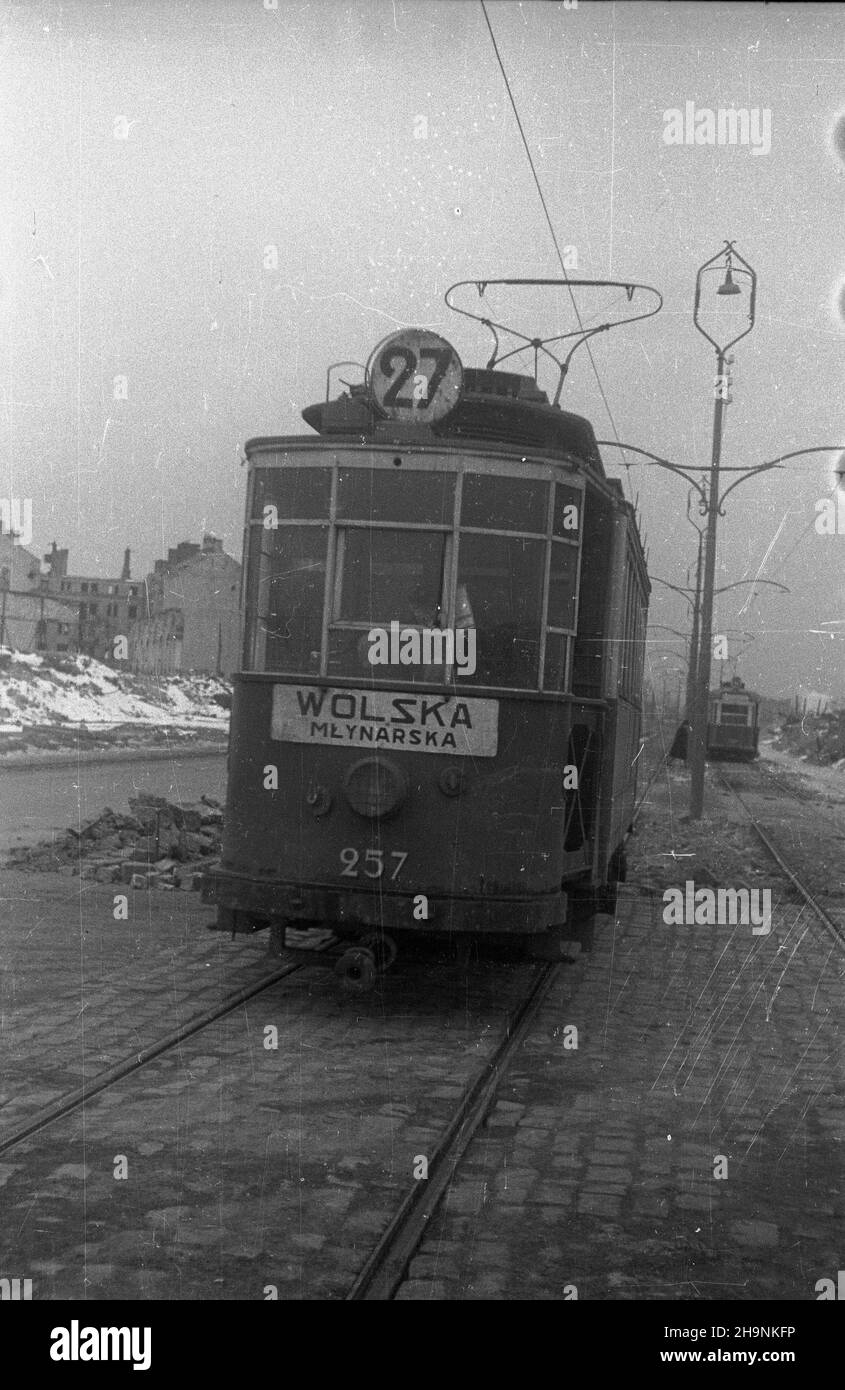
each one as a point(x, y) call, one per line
point(550, 224)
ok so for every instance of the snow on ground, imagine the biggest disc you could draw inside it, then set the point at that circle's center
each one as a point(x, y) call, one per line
point(38, 690)
point(830, 776)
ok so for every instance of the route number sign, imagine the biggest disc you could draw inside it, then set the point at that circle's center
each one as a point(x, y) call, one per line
point(415, 376)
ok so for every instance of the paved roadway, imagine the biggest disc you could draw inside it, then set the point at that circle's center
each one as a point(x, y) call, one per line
point(35, 803)
point(689, 1148)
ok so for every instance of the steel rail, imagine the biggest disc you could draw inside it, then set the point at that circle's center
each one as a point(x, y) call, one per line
point(72, 1100)
point(830, 924)
point(797, 793)
point(769, 779)
point(387, 1262)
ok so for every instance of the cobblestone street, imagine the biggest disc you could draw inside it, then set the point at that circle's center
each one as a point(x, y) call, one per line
point(246, 1166)
point(688, 1147)
point(700, 1050)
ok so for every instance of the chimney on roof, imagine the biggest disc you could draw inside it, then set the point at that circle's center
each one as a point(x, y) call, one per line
point(126, 572)
point(56, 560)
point(185, 550)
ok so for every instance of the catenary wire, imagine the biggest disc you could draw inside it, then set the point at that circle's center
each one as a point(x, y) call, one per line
point(550, 224)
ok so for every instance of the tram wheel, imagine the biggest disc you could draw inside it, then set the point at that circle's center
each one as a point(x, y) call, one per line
point(357, 969)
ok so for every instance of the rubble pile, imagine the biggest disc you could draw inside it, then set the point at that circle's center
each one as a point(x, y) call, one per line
point(158, 845)
point(816, 738)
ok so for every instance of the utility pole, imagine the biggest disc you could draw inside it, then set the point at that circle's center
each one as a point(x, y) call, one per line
point(692, 664)
point(4, 587)
point(726, 259)
point(705, 644)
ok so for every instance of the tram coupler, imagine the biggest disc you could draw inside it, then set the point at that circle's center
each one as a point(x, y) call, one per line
point(360, 963)
point(356, 969)
point(383, 947)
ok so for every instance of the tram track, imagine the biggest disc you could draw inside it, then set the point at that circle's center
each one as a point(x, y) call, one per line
point(790, 789)
point(805, 795)
point(796, 793)
point(385, 1267)
point(834, 928)
point(119, 1071)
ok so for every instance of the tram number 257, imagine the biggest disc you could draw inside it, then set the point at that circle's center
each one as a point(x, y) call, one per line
point(373, 862)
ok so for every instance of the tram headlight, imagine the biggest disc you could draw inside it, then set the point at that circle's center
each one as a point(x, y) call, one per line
point(375, 788)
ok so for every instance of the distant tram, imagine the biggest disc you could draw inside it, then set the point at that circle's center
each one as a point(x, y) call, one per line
point(436, 726)
point(733, 722)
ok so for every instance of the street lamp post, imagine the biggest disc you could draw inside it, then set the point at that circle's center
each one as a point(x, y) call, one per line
point(4, 589)
point(724, 259)
point(692, 665)
point(694, 604)
point(656, 461)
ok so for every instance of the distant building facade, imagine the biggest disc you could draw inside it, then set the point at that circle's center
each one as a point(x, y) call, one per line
point(23, 569)
point(105, 608)
point(185, 616)
point(30, 621)
point(192, 617)
point(35, 623)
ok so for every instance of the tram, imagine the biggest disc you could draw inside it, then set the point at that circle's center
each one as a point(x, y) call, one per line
point(733, 722)
point(436, 725)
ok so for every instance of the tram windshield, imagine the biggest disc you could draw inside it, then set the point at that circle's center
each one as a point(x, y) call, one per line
point(502, 577)
point(337, 552)
point(390, 575)
point(734, 714)
point(385, 576)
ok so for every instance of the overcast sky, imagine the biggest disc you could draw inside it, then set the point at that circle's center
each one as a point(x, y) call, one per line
point(299, 128)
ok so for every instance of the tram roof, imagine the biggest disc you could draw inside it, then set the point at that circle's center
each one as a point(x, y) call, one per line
point(495, 408)
point(500, 411)
point(726, 693)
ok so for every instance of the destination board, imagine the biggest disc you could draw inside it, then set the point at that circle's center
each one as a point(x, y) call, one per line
point(383, 719)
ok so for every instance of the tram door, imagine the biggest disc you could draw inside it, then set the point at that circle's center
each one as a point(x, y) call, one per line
point(584, 753)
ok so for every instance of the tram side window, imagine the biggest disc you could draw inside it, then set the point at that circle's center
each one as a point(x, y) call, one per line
point(285, 589)
point(501, 578)
point(386, 576)
point(563, 585)
point(566, 519)
point(591, 648)
point(563, 590)
point(555, 672)
point(633, 639)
